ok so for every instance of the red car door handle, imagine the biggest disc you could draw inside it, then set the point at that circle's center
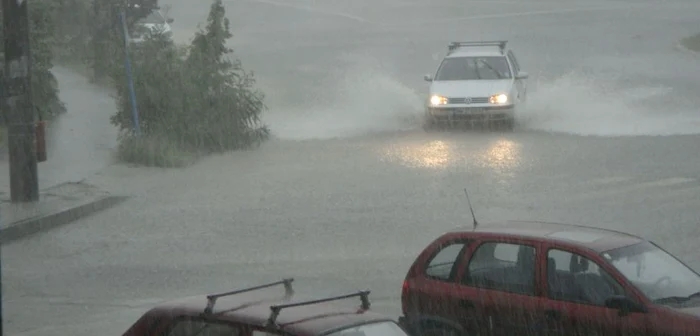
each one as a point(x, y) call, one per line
point(552, 314)
point(466, 304)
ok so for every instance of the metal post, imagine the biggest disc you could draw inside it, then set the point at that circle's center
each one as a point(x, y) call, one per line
point(129, 76)
point(24, 180)
point(98, 37)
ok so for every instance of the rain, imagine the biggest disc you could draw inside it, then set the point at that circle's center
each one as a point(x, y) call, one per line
point(349, 189)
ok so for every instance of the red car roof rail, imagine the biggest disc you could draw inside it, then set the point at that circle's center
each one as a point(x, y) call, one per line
point(364, 297)
point(211, 299)
point(454, 45)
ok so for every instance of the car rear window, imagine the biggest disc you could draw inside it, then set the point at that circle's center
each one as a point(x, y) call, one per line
point(188, 327)
point(372, 329)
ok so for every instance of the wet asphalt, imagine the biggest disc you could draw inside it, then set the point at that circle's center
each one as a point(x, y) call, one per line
point(351, 190)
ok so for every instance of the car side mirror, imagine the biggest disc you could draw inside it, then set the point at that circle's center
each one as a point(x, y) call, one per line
point(170, 20)
point(428, 78)
point(624, 305)
point(522, 75)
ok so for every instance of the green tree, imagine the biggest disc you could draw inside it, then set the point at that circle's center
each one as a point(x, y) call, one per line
point(157, 66)
point(72, 29)
point(222, 85)
point(197, 99)
point(47, 104)
point(90, 31)
point(44, 84)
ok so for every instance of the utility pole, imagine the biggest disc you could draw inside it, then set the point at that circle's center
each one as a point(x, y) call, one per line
point(18, 104)
point(1, 319)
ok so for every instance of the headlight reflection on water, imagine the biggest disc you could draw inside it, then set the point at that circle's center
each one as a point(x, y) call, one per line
point(501, 156)
point(434, 154)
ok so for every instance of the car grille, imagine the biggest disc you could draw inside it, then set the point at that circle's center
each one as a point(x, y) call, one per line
point(468, 100)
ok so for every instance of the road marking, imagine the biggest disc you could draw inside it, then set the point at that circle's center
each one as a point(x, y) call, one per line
point(530, 13)
point(592, 195)
point(609, 180)
point(509, 15)
point(310, 9)
point(675, 198)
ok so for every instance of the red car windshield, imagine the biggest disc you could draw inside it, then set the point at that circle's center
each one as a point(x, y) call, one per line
point(659, 275)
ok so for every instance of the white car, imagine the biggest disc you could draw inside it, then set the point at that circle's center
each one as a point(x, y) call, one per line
point(476, 82)
point(154, 21)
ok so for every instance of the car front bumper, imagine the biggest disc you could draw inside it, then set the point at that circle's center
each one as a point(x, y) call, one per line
point(469, 114)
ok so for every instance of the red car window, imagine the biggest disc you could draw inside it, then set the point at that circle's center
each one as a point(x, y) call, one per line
point(575, 278)
point(442, 266)
point(502, 266)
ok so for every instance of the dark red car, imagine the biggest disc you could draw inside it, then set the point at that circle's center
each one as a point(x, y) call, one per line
point(534, 278)
point(247, 312)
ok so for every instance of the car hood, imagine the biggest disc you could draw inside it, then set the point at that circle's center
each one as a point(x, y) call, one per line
point(471, 88)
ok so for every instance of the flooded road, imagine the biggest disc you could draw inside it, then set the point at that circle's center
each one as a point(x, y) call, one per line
point(351, 189)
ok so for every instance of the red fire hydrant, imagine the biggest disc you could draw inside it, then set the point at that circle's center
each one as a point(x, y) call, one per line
point(40, 132)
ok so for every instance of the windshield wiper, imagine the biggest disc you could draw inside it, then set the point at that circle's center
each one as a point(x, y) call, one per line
point(476, 69)
point(498, 74)
point(677, 299)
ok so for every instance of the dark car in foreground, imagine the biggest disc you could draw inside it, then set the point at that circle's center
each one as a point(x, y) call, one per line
point(535, 278)
point(246, 312)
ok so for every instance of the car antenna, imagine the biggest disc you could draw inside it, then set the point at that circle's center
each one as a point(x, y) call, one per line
point(471, 209)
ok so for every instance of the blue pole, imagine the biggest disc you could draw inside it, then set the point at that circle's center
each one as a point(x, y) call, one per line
point(129, 77)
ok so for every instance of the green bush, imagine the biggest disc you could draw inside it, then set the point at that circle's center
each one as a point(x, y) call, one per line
point(195, 99)
point(152, 151)
point(692, 43)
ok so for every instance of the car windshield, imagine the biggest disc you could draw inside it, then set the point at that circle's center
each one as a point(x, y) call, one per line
point(659, 275)
point(473, 68)
point(372, 329)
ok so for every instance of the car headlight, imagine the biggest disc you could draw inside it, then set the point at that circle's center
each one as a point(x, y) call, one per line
point(438, 100)
point(498, 99)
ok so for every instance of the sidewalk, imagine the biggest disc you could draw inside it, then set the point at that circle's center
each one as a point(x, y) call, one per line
point(79, 145)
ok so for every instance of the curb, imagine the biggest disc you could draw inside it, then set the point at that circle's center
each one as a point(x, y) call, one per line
point(34, 225)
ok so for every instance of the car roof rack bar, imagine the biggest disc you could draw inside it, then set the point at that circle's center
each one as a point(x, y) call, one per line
point(211, 299)
point(275, 310)
point(500, 43)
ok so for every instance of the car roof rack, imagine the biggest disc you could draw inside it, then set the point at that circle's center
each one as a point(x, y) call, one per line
point(455, 45)
point(275, 310)
point(211, 298)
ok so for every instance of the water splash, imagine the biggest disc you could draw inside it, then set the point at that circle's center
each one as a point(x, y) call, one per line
point(586, 104)
point(357, 99)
